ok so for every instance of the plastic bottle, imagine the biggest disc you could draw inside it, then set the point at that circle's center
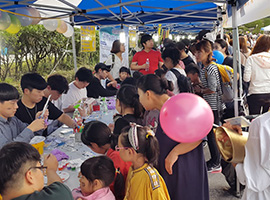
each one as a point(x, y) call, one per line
point(147, 63)
point(78, 119)
point(104, 107)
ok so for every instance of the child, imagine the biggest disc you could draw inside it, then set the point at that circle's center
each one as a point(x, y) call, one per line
point(11, 128)
point(124, 73)
point(98, 137)
point(129, 108)
point(138, 145)
point(96, 175)
point(182, 165)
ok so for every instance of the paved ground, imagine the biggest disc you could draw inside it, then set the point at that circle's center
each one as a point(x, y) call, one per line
point(217, 184)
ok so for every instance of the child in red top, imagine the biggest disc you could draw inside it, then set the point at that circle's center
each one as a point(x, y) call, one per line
point(98, 137)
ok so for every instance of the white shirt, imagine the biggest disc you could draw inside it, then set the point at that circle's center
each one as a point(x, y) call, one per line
point(171, 77)
point(255, 170)
point(117, 65)
point(257, 72)
point(73, 95)
point(192, 56)
point(58, 103)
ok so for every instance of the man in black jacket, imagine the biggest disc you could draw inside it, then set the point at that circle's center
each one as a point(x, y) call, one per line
point(95, 89)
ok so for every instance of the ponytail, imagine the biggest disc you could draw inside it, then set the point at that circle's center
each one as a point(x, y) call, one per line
point(119, 185)
point(144, 142)
point(152, 150)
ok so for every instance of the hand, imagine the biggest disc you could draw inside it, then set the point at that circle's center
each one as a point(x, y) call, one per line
point(45, 116)
point(144, 66)
point(51, 162)
point(197, 89)
point(112, 83)
point(83, 112)
point(37, 124)
point(169, 162)
point(236, 128)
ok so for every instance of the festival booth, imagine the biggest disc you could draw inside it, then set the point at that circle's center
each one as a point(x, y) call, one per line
point(182, 16)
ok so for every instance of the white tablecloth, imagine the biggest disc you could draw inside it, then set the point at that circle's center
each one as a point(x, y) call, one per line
point(75, 150)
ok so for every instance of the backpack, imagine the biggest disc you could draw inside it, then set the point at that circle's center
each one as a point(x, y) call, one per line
point(226, 73)
point(184, 83)
point(113, 59)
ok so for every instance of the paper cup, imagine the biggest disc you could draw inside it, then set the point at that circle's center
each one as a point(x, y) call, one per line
point(38, 143)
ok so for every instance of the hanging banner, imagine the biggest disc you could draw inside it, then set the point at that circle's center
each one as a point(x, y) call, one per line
point(159, 30)
point(88, 38)
point(132, 39)
point(107, 35)
point(167, 33)
point(252, 10)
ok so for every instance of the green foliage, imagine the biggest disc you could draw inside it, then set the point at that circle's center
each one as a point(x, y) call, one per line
point(35, 49)
point(255, 27)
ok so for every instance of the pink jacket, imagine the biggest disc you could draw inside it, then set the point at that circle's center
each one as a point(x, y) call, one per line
point(101, 194)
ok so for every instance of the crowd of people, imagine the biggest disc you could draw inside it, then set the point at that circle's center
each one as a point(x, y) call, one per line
point(137, 159)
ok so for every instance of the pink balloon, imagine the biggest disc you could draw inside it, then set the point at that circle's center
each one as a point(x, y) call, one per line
point(186, 118)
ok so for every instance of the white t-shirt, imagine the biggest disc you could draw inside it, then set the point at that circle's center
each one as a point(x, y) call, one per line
point(171, 77)
point(117, 65)
point(73, 95)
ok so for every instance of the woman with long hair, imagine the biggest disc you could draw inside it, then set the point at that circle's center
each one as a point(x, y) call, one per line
point(245, 52)
point(115, 59)
point(182, 165)
point(257, 73)
point(212, 94)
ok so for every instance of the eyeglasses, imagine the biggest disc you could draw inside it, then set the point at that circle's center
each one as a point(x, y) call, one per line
point(42, 168)
point(117, 148)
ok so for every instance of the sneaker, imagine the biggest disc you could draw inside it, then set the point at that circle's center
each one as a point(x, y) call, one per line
point(213, 168)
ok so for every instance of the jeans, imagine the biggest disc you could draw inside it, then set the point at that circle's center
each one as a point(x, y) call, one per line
point(214, 152)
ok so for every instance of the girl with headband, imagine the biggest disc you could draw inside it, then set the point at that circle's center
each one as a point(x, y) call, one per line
point(138, 145)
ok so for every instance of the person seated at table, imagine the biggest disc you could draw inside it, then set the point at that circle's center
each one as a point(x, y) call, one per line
point(98, 137)
point(11, 128)
point(33, 101)
point(124, 73)
point(57, 85)
point(138, 144)
point(96, 175)
point(129, 108)
point(22, 175)
point(95, 89)
point(77, 90)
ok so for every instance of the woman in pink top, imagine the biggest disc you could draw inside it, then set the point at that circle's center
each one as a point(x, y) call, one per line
point(96, 175)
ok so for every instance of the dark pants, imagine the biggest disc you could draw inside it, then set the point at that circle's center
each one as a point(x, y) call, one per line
point(256, 102)
point(214, 152)
point(229, 172)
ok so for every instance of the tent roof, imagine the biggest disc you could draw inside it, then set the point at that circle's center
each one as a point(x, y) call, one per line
point(142, 12)
point(128, 12)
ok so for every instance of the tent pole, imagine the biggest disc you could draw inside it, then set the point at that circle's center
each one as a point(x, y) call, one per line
point(74, 46)
point(236, 65)
point(235, 56)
